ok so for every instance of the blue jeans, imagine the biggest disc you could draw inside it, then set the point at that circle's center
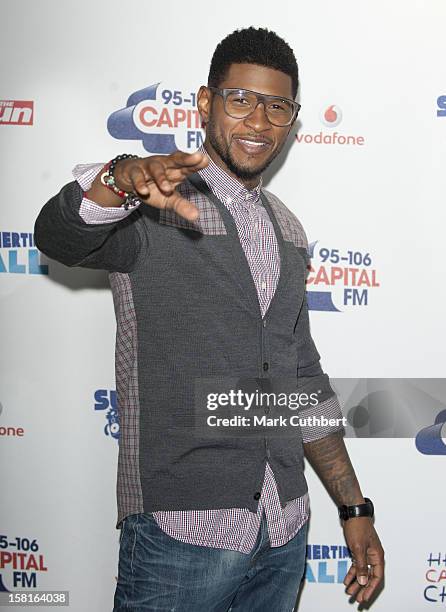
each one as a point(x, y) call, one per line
point(159, 573)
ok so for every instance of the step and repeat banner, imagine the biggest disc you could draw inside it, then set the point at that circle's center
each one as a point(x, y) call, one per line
point(364, 171)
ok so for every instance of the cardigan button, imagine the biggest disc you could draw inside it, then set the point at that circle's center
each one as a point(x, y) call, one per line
point(257, 495)
point(265, 366)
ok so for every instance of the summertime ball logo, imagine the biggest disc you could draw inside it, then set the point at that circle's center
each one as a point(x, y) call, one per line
point(164, 119)
point(18, 254)
point(327, 563)
point(106, 400)
point(339, 279)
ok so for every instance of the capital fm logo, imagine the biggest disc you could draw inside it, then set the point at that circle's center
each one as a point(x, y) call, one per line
point(441, 106)
point(432, 440)
point(163, 118)
point(330, 116)
point(16, 112)
point(340, 279)
point(106, 400)
point(18, 254)
point(22, 562)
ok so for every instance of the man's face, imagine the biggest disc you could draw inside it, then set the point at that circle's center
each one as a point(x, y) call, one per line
point(234, 140)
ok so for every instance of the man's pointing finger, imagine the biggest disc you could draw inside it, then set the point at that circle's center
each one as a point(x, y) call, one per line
point(182, 207)
point(187, 160)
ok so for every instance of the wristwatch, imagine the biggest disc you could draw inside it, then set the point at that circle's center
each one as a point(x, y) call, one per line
point(348, 512)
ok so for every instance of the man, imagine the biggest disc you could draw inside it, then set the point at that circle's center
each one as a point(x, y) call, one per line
point(208, 276)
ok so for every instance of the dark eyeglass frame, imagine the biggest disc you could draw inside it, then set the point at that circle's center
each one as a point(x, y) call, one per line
point(261, 99)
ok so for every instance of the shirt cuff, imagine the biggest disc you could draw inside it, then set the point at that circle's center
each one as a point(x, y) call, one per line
point(321, 420)
point(86, 173)
point(91, 212)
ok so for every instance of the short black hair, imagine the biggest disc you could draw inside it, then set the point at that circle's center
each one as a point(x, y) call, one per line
point(253, 46)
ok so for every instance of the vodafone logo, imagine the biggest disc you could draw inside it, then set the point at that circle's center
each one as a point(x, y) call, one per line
point(9, 430)
point(331, 116)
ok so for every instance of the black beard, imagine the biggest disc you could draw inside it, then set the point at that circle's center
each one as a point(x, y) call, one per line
point(224, 153)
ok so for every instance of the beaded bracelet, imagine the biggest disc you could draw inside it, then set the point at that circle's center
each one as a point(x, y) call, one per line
point(108, 180)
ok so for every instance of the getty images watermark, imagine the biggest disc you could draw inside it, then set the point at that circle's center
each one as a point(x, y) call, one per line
point(362, 407)
point(251, 407)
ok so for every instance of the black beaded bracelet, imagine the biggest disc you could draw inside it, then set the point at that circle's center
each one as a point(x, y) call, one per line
point(108, 179)
point(118, 158)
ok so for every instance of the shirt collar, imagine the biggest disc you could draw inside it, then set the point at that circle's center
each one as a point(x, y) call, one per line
point(226, 187)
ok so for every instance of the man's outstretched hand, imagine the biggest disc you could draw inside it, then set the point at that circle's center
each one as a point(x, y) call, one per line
point(366, 573)
point(154, 179)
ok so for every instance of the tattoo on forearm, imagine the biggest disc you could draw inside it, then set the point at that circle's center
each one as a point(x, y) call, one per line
point(330, 460)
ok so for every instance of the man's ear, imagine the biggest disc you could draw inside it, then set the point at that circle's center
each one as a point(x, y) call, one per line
point(204, 104)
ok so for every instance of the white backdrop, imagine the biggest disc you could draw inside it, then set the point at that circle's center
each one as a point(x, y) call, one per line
point(374, 71)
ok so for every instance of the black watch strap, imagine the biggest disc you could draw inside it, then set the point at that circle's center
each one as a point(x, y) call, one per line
point(348, 512)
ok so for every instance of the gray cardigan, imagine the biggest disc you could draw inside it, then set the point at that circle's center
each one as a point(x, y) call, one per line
point(186, 309)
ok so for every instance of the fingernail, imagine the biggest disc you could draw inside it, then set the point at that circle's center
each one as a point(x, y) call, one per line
point(362, 580)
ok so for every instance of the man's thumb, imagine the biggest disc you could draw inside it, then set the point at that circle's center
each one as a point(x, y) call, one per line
point(362, 572)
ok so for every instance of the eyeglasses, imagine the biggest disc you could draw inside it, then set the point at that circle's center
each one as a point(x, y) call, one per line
point(240, 103)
